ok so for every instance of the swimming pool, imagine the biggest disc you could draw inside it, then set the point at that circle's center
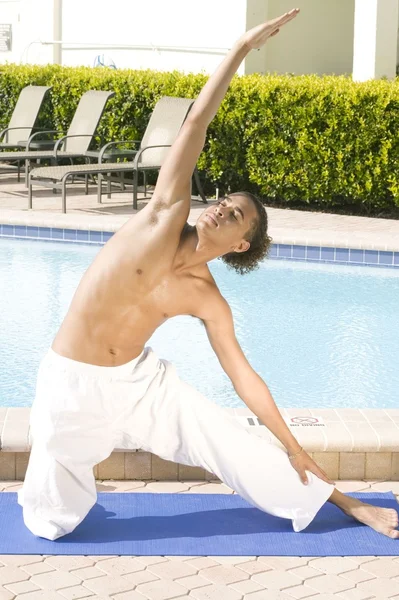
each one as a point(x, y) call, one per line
point(320, 335)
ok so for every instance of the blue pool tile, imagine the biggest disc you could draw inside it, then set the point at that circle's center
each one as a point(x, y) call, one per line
point(32, 231)
point(313, 252)
point(70, 234)
point(273, 250)
point(327, 253)
point(371, 256)
point(107, 236)
point(299, 251)
point(57, 234)
point(285, 250)
point(385, 258)
point(356, 256)
point(82, 236)
point(396, 258)
point(7, 230)
point(342, 254)
point(20, 230)
point(95, 236)
point(44, 232)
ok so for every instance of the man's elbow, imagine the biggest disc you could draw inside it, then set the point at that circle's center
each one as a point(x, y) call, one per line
point(244, 380)
point(195, 126)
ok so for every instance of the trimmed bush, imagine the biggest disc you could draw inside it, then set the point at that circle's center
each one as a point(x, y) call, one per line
point(306, 140)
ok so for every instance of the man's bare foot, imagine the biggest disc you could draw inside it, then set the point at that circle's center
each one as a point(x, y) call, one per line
point(383, 520)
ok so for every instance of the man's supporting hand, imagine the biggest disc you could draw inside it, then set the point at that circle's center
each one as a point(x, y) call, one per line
point(302, 463)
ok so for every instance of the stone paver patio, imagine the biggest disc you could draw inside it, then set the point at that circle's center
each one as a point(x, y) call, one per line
point(199, 578)
point(286, 226)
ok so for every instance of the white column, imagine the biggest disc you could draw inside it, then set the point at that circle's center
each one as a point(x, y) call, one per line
point(375, 39)
point(57, 32)
point(257, 11)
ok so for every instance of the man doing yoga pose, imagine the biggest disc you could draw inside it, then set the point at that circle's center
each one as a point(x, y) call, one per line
point(100, 387)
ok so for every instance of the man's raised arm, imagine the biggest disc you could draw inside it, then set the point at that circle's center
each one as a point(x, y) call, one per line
point(174, 181)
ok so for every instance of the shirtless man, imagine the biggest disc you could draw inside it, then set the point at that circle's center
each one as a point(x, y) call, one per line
point(99, 386)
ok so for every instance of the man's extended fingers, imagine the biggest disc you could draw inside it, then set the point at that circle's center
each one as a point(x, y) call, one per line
point(322, 475)
point(304, 477)
point(286, 17)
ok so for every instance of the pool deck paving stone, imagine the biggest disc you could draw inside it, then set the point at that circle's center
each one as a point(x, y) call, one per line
point(218, 578)
point(286, 226)
point(202, 578)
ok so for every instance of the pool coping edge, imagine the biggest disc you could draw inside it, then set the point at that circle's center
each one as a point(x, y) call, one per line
point(346, 443)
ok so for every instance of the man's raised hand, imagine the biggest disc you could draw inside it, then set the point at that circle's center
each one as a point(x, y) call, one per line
point(257, 36)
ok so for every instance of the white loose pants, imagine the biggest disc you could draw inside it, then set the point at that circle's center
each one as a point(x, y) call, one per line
point(82, 412)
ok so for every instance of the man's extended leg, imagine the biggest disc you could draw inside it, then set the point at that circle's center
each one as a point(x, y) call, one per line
point(178, 423)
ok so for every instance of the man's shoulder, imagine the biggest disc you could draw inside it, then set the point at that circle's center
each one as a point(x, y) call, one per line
point(208, 297)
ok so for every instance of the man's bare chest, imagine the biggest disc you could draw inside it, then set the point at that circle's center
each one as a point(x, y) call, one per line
point(171, 296)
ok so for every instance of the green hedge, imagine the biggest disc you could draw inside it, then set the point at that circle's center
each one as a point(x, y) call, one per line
point(309, 140)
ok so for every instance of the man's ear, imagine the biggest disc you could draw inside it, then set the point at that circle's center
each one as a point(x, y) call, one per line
point(243, 246)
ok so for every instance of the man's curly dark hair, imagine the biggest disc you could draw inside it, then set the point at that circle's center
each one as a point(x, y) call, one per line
point(245, 262)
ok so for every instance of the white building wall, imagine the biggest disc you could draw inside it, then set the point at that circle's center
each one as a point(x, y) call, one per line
point(397, 45)
point(31, 21)
point(320, 40)
point(208, 23)
point(182, 23)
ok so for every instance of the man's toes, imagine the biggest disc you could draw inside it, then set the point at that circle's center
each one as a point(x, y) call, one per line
point(394, 533)
point(392, 518)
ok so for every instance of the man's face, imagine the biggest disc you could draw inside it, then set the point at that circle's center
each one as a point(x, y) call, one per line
point(226, 223)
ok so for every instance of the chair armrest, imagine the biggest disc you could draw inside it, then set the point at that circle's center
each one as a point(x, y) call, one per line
point(34, 135)
point(65, 137)
point(142, 150)
point(104, 148)
point(7, 129)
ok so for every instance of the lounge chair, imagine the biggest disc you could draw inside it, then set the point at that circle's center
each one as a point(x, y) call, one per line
point(77, 140)
point(22, 122)
point(163, 127)
point(24, 117)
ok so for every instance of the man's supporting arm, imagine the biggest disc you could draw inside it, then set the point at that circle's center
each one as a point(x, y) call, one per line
point(247, 383)
point(250, 387)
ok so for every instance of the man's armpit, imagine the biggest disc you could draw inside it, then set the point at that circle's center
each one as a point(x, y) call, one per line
point(201, 321)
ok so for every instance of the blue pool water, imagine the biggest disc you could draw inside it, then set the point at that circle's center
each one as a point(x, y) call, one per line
point(319, 335)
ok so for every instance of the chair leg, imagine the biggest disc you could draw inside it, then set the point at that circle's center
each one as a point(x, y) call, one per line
point(145, 184)
point(64, 195)
point(199, 186)
point(108, 185)
point(30, 192)
point(99, 188)
point(135, 185)
point(27, 169)
point(86, 184)
point(53, 164)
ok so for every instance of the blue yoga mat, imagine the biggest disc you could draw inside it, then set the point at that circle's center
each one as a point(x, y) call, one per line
point(195, 525)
